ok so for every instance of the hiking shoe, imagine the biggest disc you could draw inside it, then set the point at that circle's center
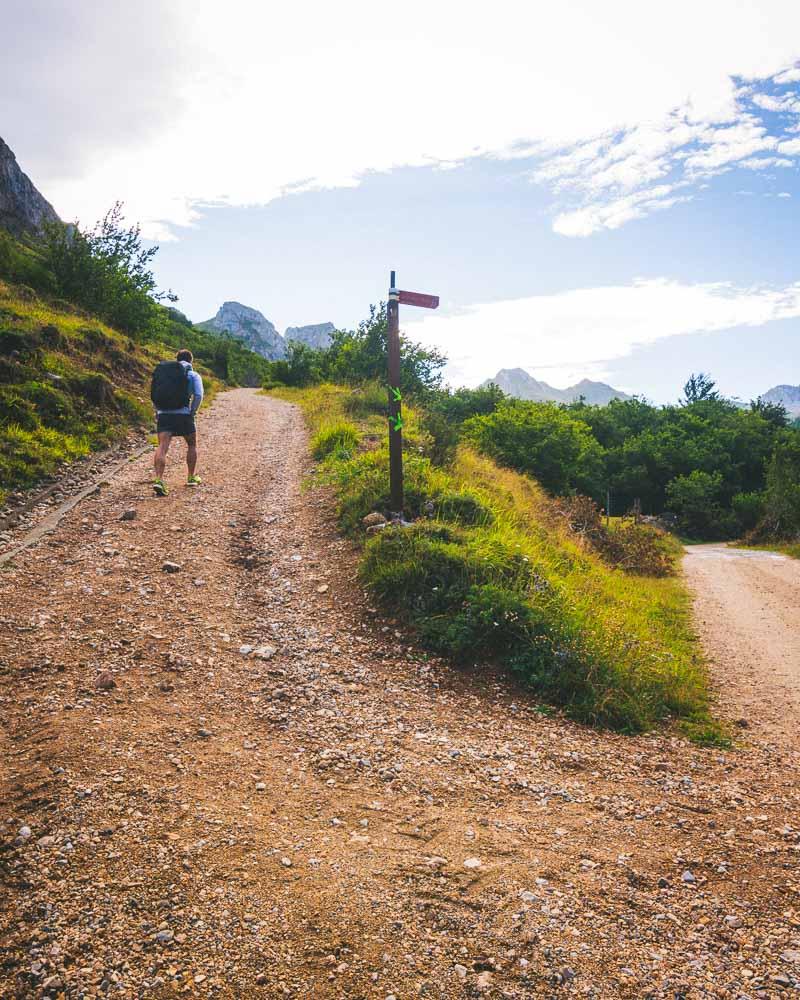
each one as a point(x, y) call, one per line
point(160, 489)
point(193, 481)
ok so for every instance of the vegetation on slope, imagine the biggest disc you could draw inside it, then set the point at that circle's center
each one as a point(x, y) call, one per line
point(492, 571)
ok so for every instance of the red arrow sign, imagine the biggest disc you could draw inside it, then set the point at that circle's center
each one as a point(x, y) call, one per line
point(419, 299)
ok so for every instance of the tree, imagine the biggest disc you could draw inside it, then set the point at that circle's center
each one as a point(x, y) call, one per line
point(782, 500)
point(360, 356)
point(107, 271)
point(302, 366)
point(774, 413)
point(699, 387)
point(696, 501)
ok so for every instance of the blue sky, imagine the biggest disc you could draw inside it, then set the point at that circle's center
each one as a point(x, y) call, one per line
point(590, 198)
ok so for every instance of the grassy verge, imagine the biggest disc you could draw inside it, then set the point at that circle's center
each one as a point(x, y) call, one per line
point(69, 385)
point(490, 572)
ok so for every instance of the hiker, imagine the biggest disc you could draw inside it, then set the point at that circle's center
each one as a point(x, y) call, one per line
point(177, 392)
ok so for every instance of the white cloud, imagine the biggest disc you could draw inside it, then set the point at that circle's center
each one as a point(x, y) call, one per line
point(578, 333)
point(763, 162)
point(789, 76)
point(613, 214)
point(191, 102)
point(627, 174)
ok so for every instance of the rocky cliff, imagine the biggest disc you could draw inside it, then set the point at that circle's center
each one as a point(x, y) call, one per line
point(256, 332)
point(316, 336)
point(22, 208)
point(518, 383)
point(250, 326)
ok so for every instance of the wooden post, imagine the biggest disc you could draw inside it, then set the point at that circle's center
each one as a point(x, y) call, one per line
point(395, 409)
point(608, 507)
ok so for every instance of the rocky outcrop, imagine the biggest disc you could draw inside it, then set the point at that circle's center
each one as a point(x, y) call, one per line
point(250, 326)
point(518, 383)
point(316, 336)
point(787, 396)
point(22, 208)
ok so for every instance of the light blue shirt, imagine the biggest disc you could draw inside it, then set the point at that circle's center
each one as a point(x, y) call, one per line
point(195, 391)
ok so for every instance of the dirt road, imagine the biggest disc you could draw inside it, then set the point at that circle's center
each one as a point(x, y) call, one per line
point(748, 612)
point(280, 797)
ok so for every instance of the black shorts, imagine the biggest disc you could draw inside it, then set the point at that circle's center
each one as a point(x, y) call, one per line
point(176, 424)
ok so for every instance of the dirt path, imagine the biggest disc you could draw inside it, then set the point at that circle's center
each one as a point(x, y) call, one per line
point(339, 818)
point(748, 611)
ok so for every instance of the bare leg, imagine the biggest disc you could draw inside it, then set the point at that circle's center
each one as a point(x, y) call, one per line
point(160, 458)
point(191, 453)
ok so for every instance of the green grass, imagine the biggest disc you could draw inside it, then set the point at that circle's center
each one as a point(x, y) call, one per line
point(492, 573)
point(338, 438)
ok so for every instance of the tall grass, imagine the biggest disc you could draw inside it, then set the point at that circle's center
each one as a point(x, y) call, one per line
point(491, 572)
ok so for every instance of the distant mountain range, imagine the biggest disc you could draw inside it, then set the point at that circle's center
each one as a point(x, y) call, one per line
point(787, 395)
point(256, 332)
point(518, 383)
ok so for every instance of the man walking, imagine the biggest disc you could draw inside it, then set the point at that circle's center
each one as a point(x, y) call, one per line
point(176, 392)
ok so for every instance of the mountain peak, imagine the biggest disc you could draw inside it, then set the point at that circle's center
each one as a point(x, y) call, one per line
point(317, 336)
point(521, 384)
point(787, 395)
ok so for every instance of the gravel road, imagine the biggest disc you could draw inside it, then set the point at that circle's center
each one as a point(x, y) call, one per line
point(747, 607)
point(237, 779)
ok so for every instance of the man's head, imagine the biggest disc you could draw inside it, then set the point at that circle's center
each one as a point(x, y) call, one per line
point(184, 355)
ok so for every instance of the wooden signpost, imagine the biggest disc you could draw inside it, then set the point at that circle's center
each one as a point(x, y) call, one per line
point(395, 396)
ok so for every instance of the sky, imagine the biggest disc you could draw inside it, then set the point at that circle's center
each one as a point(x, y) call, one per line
point(603, 191)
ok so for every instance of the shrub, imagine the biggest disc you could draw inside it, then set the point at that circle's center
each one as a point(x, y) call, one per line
point(636, 548)
point(695, 499)
point(748, 509)
point(542, 440)
point(339, 439)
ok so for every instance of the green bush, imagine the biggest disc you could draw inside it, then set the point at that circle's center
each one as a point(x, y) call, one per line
point(339, 439)
point(543, 440)
point(695, 499)
point(748, 509)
